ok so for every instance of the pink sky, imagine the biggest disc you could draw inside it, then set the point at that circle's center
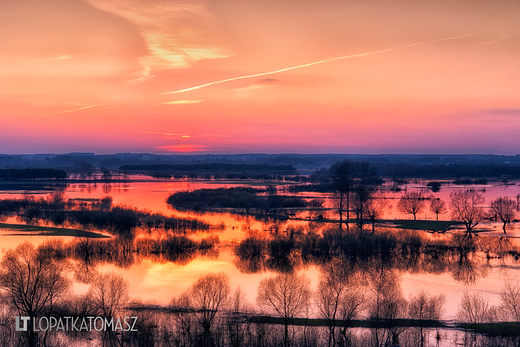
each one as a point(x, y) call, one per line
point(332, 76)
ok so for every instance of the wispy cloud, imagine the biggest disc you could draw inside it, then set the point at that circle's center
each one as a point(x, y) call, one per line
point(503, 111)
point(176, 135)
point(160, 133)
point(141, 76)
point(319, 62)
point(182, 102)
point(171, 31)
point(269, 80)
point(62, 57)
point(261, 74)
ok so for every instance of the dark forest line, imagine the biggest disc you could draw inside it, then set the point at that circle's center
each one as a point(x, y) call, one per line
point(100, 215)
point(388, 165)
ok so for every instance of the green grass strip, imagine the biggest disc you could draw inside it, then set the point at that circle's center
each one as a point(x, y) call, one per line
point(49, 231)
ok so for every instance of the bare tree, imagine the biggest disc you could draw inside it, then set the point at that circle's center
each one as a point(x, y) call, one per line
point(412, 202)
point(285, 295)
point(504, 208)
point(422, 307)
point(510, 297)
point(208, 296)
point(108, 293)
point(33, 282)
point(365, 188)
point(387, 298)
point(182, 319)
point(57, 200)
point(7, 335)
point(474, 308)
point(438, 206)
point(386, 302)
point(339, 295)
point(466, 206)
point(237, 331)
point(343, 180)
point(375, 208)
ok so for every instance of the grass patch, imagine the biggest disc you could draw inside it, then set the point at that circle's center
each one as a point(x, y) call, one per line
point(49, 231)
point(433, 225)
point(357, 323)
point(85, 199)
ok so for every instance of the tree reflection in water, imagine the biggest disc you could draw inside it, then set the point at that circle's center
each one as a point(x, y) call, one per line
point(359, 300)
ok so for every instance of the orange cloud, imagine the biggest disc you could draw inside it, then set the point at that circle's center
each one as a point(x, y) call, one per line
point(171, 32)
point(182, 102)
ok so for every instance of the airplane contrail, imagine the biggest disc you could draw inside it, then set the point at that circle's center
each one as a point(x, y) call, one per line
point(351, 56)
point(491, 42)
point(83, 108)
point(73, 110)
point(314, 63)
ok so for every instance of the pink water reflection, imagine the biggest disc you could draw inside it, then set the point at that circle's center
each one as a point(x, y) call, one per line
point(161, 281)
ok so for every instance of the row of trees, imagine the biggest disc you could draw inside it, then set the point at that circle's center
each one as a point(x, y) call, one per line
point(344, 294)
point(466, 206)
point(355, 189)
point(99, 215)
point(36, 282)
point(354, 185)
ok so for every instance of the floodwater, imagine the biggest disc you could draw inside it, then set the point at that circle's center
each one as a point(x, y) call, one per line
point(159, 282)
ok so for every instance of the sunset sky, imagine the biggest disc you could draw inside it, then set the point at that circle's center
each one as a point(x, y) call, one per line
point(222, 76)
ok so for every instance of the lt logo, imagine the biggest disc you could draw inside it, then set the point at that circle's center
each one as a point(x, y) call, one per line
point(24, 319)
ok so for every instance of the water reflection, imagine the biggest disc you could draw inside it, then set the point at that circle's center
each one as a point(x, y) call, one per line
point(466, 259)
point(359, 300)
point(273, 245)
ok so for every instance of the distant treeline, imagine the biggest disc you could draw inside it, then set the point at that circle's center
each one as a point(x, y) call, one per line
point(214, 167)
point(118, 220)
point(239, 197)
point(448, 171)
point(31, 174)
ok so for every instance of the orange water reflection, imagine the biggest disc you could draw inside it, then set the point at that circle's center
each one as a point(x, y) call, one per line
point(160, 282)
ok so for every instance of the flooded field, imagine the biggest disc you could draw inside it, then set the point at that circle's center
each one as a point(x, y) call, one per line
point(250, 250)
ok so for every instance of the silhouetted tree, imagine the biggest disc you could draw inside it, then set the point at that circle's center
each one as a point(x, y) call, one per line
point(208, 295)
point(339, 295)
point(365, 187)
point(7, 335)
point(437, 206)
point(375, 208)
point(57, 200)
point(504, 208)
point(386, 302)
point(510, 297)
point(237, 330)
point(423, 307)
point(466, 206)
point(251, 255)
point(33, 282)
point(412, 202)
point(343, 179)
point(474, 308)
point(285, 295)
point(108, 293)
